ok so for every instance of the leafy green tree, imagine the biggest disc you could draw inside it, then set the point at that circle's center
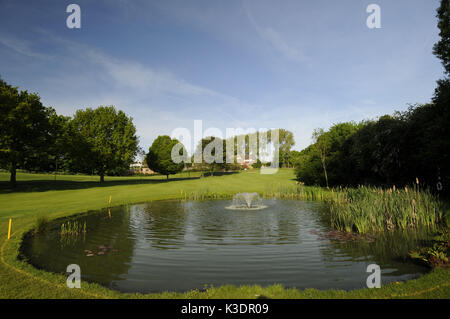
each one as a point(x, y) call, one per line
point(53, 156)
point(61, 144)
point(160, 156)
point(294, 158)
point(309, 169)
point(24, 128)
point(442, 48)
point(108, 138)
point(376, 152)
point(286, 140)
point(213, 152)
point(338, 168)
point(258, 164)
point(440, 140)
point(323, 162)
point(392, 149)
point(321, 142)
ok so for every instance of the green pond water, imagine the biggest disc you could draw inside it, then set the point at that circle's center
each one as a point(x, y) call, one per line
point(178, 246)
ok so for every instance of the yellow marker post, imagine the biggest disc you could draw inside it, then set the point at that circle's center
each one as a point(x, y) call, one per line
point(110, 198)
point(109, 212)
point(9, 228)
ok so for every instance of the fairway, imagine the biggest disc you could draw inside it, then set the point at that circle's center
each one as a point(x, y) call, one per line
point(71, 194)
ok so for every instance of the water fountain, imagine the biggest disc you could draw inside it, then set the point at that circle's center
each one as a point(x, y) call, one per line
point(247, 201)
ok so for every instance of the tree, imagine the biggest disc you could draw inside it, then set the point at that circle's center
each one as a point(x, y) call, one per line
point(24, 127)
point(108, 138)
point(324, 160)
point(286, 139)
point(258, 164)
point(159, 157)
point(294, 158)
point(213, 152)
point(442, 48)
point(62, 143)
point(321, 142)
point(308, 166)
point(441, 100)
point(393, 149)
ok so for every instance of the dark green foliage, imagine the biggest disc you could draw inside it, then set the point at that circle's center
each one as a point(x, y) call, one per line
point(286, 140)
point(437, 254)
point(309, 167)
point(24, 128)
point(216, 149)
point(60, 147)
point(35, 138)
point(258, 164)
point(41, 224)
point(159, 158)
point(393, 149)
point(294, 157)
point(328, 151)
point(107, 138)
point(442, 48)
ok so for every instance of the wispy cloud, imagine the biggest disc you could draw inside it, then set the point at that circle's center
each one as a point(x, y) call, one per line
point(135, 75)
point(276, 41)
point(231, 63)
point(21, 46)
point(158, 100)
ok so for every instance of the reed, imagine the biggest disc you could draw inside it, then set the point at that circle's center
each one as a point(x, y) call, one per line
point(72, 228)
point(41, 224)
point(307, 193)
point(204, 194)
point(363, 209)
point(370, 209)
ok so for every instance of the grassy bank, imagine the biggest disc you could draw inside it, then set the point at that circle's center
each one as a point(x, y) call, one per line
point(41, 196)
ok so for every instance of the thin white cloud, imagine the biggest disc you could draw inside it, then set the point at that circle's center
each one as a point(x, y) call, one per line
point(135, 75)
point(278, 43)
point(276, 40)
point(21, 46)
point(155, 98)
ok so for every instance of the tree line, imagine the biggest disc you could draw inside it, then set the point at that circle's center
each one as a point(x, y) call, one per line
point(393, 149)
point(33, 137)
point(99, 141)
point(160, 155)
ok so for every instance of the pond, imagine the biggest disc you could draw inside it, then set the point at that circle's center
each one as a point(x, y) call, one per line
point(182, 245)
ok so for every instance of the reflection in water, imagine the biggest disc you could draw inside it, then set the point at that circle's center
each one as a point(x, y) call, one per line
point(104, 253)
point(157, 228)
point(173, 245)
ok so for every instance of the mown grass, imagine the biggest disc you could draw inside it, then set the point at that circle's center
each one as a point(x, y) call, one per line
point(39, 197)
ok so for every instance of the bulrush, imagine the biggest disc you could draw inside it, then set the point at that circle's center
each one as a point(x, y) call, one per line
point(369, 209)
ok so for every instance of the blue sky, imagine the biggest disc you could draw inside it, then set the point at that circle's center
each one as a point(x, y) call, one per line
point(297, 64)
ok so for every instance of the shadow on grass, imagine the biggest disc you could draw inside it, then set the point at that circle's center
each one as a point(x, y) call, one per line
point(208, 174)
point(50, 185)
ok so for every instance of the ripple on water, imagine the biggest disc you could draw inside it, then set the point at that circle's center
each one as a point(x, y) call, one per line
point(173, 245)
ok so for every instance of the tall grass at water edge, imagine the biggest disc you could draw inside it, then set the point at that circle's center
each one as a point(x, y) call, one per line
point(364, 209)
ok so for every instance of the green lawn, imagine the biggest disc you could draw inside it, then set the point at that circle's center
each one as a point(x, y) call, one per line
point(41, 195)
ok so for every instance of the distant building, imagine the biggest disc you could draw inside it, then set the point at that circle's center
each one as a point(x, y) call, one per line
point(246, 161)
point(140, 168)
